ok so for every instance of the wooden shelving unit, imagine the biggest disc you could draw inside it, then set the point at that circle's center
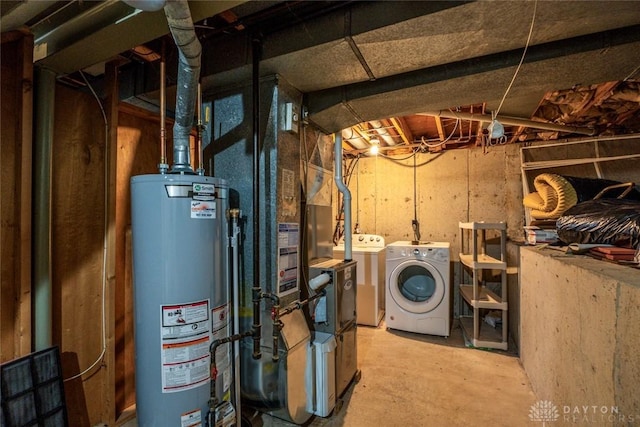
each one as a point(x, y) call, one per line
point(476, 295)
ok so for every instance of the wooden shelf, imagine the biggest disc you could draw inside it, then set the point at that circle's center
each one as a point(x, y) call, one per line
point(487, 298)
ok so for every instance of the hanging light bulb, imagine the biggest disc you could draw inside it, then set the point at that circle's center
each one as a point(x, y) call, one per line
point(375, 145)
point(496, 130)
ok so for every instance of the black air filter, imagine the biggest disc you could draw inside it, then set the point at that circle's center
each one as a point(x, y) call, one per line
point(32, 391)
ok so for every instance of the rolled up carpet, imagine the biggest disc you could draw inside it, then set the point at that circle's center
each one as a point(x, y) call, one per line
point(553, 196)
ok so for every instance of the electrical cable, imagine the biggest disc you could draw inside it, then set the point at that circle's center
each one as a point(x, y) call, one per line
point(105, 231)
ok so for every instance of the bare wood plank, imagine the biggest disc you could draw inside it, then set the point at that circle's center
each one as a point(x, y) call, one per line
point(109, 414)
point(15, 190)
point(26, 131)
point(78, 223)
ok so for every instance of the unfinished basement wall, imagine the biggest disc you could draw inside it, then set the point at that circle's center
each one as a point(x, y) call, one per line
point(451, 187)
point(580, 339)
point(78, 250)
point(15, 194)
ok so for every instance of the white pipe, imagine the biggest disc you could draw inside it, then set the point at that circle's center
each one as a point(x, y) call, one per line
point(319, 282)
point(346, 194)
point(511, 121)
point(235, 233)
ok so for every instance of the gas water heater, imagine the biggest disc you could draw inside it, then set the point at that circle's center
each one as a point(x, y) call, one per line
point(181, 282)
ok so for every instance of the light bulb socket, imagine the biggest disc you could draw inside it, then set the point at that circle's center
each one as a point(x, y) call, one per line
point(496, 130)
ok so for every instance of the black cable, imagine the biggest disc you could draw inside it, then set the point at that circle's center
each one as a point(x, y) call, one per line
point(415, 224)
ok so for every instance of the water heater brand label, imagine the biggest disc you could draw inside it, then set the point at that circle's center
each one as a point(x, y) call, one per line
point(203, 201)
point(185, 339)
point(204, 191)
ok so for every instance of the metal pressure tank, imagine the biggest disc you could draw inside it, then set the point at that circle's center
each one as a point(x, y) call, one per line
point(181, 301)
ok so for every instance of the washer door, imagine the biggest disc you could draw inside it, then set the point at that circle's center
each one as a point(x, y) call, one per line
point(416, 286)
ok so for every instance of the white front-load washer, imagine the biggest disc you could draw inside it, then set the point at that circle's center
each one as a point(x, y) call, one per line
point(418, 287)
point(369, 252)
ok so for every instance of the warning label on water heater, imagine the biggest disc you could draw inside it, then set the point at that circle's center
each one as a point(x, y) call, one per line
point(185, 339)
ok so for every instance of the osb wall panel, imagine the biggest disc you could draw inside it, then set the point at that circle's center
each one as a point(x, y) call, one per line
point(15, 195)
point(78, 233)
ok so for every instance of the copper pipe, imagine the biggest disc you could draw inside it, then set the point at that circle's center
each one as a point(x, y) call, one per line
point(163, 166)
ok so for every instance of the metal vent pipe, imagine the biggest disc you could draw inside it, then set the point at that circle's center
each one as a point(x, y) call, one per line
point(346, 193)
point(190, 51)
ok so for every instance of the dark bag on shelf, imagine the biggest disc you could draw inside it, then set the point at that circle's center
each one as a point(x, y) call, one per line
point(606, 221)
point(589, 188)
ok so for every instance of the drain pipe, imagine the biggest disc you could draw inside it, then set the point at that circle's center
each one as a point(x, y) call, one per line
point(346, 194)
point(45, 106)
point(190, 50)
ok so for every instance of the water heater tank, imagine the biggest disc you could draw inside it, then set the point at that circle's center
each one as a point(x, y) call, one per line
point(181, 301)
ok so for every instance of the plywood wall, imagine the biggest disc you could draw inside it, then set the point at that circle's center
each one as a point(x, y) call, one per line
point(78, 228)
point(15, 195)
point(138, 154)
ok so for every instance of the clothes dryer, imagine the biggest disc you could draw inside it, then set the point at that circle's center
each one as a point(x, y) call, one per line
point(368, 250)
point(418, 297)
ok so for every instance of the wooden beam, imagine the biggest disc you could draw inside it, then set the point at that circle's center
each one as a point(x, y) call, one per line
point(111, 107)
point(24, 340)
point(15, 190)
point(438, 121)
point(403, 130)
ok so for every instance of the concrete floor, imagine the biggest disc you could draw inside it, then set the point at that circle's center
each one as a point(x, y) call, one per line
point(414, 380)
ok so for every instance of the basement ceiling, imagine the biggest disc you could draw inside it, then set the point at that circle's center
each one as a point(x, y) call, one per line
point(403, 75)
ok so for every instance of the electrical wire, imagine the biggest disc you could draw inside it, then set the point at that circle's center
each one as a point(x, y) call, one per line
point(447, 139)
point(526, 46)
point(105, 231)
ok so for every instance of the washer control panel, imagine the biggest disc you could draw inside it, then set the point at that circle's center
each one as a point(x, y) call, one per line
point(420, 252)
point(436, 254)
point(364, 241)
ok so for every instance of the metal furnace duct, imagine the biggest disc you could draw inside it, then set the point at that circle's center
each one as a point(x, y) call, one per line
point(265, 384)
point(181, 301)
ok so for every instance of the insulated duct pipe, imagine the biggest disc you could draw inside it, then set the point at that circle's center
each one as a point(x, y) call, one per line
point(146, 5)
point(346, 194)
point(511, 121)
point(190, 50)
point(44, 114)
